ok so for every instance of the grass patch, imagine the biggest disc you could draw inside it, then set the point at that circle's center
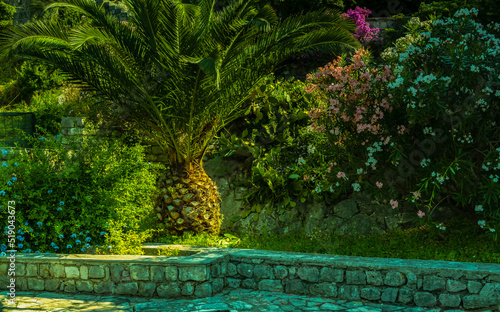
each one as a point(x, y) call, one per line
point(461, 241)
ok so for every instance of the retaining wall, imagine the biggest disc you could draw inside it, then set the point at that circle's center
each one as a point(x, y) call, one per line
point(407, 282)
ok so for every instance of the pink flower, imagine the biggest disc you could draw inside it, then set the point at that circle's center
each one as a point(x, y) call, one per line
point(306, 177)
point(394, 204)
point(379, 184)
point(420, 214)
point(340, 175)
point(416, 194)
point(83, 16)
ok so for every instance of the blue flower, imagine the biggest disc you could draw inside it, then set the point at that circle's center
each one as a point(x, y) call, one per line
point(20, 245)
point(4, 152)
point(38, 251)
point(69, 246)
point(4, 165)
point(77, 242)
point(19, 237)
point(61, 236)
point(56, 248)
point(73, 197)
point(88, 239)
point(3, 193)
point(52, 244)
point(39, 224)
point(61, 203)
point(83, 249)
point(73, 236)
point(15, 164)
point(49, 191)
point(59, 209)
point(86, 232)
point(14, 179)
point(87, 245)
point(80, 233)
point(9, 183)
point(26, 223)
point(102, 233)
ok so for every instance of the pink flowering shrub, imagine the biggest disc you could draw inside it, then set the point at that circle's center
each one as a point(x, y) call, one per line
point(355, 117)
point(363, 32)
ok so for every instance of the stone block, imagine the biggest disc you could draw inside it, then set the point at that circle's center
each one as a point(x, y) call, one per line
point(405, 295)
point(85, 286)
point(44, 270)
point(474, 276)
point(127, 289)
point(188, 289)
point(231, 269)
point(263, 271)
point(280, 271)
point(474, 287)
point(424, 299)
point(346, 208)
point(249, 283)
point(84, 272)
point(72, 272)
point(374, 278)
point(57, 270)
point(355, 277)
point(491, 292)
point(370, 293)
point(69, 286)
point(455, 286)
point(324, 289)
point(147, 289)
point(168, 290)
point(36, 284)
point(223, 268)
point(233, 283)
point(217, 285)
point(389, 295)
point(21, 283)
point(116, 272)
point(104, 287)
point(139, 272)
point(96, 272)
point(52, 284)
point(292, 272)
point(20, 269)
point(294, 286)
point(432, 283)
point(310, 274)
point(349, 292)
point(70, 122)
point(157, 273)
point(395, 279)
point(245, 269)
point(203, 290)
point(215, 270)
point(331, 275)
point(171, 273)
point(449, 300)
point(411, 280)
point(475, 302)
point(270, 285)
point(32, 270)
point(194, 273)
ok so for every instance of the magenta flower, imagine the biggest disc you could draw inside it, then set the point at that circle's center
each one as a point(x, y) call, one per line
point(420, 214)
point(340, 175)
point(379, 184)
point(394, 204)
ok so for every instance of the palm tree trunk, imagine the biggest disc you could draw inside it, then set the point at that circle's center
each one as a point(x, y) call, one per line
point(188, 200)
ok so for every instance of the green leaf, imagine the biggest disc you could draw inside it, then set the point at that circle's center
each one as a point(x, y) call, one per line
point(245, 133)
point(255, 217)
point(293, 176)
point(302, 200)
point(235, 218)
point(282, 218)
point(293, 204)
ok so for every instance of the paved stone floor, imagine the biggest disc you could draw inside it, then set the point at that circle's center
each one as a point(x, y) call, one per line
point(229, 300)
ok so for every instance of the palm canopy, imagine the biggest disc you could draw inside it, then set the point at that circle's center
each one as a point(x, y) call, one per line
point(180, 69)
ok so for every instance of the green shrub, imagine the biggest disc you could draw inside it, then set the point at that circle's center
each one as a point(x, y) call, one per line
point(33, 77)
point(67, 202)
point(448, 86)
point(6, 14)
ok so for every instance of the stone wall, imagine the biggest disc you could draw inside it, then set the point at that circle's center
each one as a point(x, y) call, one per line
point(407, 282)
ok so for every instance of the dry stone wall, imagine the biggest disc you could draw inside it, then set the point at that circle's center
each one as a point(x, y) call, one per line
point(412, 283)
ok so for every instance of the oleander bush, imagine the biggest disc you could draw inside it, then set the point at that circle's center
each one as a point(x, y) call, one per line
point(98, 194)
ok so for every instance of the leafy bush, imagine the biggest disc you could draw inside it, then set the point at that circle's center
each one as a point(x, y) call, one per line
point(36, 77)
point(6, 14)
point(448, 83)
point(98, 193)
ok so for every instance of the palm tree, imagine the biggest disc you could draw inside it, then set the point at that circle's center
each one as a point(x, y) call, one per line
point(182, 71)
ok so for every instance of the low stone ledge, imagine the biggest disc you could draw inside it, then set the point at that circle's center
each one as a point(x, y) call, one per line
point(209, 270)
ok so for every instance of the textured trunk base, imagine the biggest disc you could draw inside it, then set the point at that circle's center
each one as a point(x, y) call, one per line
point(188, 201)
